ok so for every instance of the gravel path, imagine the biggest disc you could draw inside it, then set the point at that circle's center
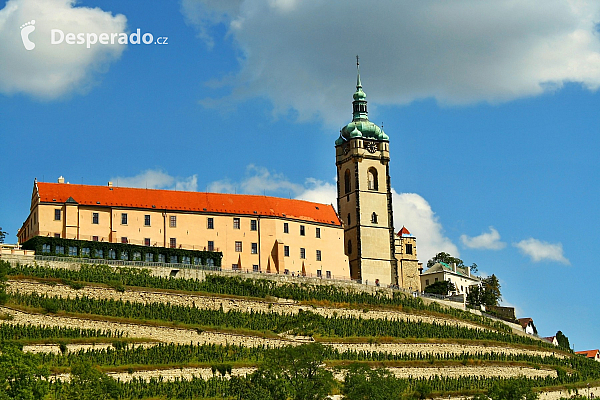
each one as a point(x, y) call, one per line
point(215, 303)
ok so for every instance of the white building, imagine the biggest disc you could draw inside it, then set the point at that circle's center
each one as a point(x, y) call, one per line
point(460, 277)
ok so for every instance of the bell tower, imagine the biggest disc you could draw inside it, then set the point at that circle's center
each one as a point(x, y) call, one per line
point(362, 158)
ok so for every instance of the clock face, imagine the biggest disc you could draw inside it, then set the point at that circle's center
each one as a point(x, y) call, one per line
point(346, 148)
point(371, 147)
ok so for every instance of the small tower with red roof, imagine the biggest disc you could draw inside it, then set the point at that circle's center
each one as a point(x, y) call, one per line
point(408, 264)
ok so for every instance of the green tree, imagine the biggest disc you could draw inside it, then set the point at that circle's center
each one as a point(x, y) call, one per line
point(21, 376)
point(295, 372)
point(2, 235)
point(440, 287)
point(490, 295)
point(562, 340)
point(448, 259)
point(422, 391)
point(88, 383)
point(363, 383)
point(474, 296)
point(4, 266)
point(512, 390)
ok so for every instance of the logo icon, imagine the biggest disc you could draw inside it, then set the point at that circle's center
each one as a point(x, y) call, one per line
point(26, 29)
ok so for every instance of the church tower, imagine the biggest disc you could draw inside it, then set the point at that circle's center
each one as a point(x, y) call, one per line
point(362, 158)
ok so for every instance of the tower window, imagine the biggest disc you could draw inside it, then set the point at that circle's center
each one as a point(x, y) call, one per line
point(374, 218)
point(347, 183)
point(409, 249)
point(349, 221)
point(372, 179)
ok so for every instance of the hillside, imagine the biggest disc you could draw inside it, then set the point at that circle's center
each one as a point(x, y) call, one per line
point(232, 337)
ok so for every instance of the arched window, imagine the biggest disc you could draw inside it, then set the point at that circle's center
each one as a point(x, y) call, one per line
point(349, 246)
point(349, 221)
point(374, 218)
point(347, 181)
point(372, 179)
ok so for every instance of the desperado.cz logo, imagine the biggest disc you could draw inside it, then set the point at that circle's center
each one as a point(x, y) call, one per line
point(57, 36)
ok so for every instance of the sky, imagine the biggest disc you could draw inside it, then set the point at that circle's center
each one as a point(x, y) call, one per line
point(491, 108)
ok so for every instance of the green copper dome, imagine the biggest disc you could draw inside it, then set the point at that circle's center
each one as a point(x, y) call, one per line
point(360, 125)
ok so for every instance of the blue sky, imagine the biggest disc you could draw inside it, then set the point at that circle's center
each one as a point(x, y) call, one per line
point(490, 106)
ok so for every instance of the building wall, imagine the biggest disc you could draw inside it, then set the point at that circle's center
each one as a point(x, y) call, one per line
point(461, 283)
point(191, 231)
point(408, 263)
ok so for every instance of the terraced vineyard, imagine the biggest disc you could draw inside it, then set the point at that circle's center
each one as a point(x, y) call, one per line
point(99, 332)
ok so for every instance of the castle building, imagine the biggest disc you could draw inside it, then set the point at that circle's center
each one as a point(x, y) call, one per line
point(364, 196)
point(254, 233)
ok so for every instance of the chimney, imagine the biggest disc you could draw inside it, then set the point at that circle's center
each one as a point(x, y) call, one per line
point(453, 267)
point(109, 184)
point(420, 268)
point(61, 179)
point(468, 271)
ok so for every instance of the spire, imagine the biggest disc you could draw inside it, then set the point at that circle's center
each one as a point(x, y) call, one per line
point(359, 105)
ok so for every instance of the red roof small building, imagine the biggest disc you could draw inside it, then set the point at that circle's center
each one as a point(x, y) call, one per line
point(593, 354)
point(403, 232)
point(551, 339)
point(528, 326)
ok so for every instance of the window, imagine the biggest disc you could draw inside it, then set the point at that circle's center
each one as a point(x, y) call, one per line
point(162, 258)
point(59, 250)
point(147, 242)
point(72, 251)
point(426, 282)
point(124, 256)
point(318, 233)
point(57, 235)
point(124, 240)
point(255, 268)
point(123, 218)
point(173, 259)
point(409, 249)
point(318, 255)
point(236, 223)
point(173, 243)
point(286, 228)
point(286, 251)
point(254, 248)
point(210, 223)
point(94, 238)
point(185, 260)
point(137, 256)
point(302, 252)
point(173, 221)
point(349, 220)
point(149, 257)
point(253, 225)
point(374, 218)
point(211, 245)
point(436, 279)
point(238, 247)
point(95, 218)
point(347, 184)
point(302, 230)
point(99, 253)
point(147, 220)
point(372, 183)
point(328, 274)
point(349, 246)
point(57, 214)
point(235, 267)
point(319, 273)
point(210, 262)
point(45, 248)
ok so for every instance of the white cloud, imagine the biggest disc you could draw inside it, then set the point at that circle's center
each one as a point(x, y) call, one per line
point(539, 250)
point(456, 52)
point(51, 71)
point(319, 192)
point(489, 240)
point(157, 179)
point(415, 213)
point(258, 180)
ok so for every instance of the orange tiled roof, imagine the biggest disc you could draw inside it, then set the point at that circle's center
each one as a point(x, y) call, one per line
point(588, 353)
point(171, 200)
point(525, 321)
point(403, 231)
